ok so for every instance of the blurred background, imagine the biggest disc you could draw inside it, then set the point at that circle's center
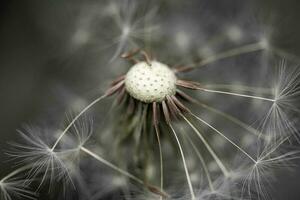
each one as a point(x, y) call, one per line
point(38, 68)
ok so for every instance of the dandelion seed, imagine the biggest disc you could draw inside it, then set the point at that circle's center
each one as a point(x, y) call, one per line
point(12, 186)
point(38, 154)
point(278, 121)
point(269, 159)
point(15, 189)
point(131, 29)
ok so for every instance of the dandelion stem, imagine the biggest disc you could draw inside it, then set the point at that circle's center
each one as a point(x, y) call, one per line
point(284, 157)
point(123, 172)
point(230, 53)
point(160, 159)
point(76, 118)
point(236, 94)
point(107, 163)
point(232, 119)
point(208, 147)
point(240, 88)
point(221, 134)
point(202, 162)
point(19, 170)
point(275, 148)
point(184, 164)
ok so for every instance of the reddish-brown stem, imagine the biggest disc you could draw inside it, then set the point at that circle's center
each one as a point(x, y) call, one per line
point(130, 54)
point(112, 90)
point(180, 105)
point(147, 57)
point(155, 190)
point(121, 95)
point(166, 112)
point(131, 106)
point(172, 107)
point(186, 97)
point(117, 80)
point(155, 114)
point(182, 69)
point(188, 84)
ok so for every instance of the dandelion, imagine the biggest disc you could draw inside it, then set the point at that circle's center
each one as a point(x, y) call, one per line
point(169, 133)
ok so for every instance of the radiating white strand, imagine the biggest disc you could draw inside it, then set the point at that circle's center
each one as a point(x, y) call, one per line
point(234, 120)
point(160, 161)
point(202, 162)
point(221, 134)
point(231, 53)
point(237, 94)
point(76, 118)
point(208, 147)
point(184, 164)
point(19, 170)
point(112, 166)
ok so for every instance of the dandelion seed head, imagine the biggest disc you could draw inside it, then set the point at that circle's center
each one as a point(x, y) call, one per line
point(150, 82)
point(45, 163)
point(15, 187)
point(130, 28)
point(279, 119)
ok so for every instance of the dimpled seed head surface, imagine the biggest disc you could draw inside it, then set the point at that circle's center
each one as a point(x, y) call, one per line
point(150, 83)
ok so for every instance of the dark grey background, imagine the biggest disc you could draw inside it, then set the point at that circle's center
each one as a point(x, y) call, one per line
point(32, 60)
